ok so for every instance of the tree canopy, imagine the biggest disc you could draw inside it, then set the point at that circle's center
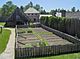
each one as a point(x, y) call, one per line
point(8, 8)
point(37, 7)
point(73, 9)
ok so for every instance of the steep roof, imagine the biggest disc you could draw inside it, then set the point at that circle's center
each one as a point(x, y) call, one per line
point(17, 11)
point(31, 10)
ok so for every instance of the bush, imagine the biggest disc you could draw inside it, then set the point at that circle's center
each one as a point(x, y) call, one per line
point(29, 31)
point(67, 25)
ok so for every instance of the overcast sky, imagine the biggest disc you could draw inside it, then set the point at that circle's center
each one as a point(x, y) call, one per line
point(47, 4)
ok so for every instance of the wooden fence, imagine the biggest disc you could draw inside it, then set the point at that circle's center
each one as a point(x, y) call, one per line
point(70, 26)
point(46, 51)
point(63, 35)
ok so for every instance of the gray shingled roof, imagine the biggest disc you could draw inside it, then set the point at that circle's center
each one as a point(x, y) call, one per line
point(31, 10)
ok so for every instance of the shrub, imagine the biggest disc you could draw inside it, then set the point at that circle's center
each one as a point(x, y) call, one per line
point(29, 31)
point(68, 25)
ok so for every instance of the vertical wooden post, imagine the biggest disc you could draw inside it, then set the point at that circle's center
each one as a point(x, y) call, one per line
point(1, 29)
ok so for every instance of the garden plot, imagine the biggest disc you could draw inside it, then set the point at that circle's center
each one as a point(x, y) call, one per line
point(27, 40)
point(51, 38)
point(38, 37)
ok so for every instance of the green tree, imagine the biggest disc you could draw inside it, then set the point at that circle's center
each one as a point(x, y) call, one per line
point(53, 12)
point(68, 11)
point(8, 8)
point(43, 12)
point(31, 4)
point(0, 10)
point(28, 5)
point(73, 9)
point(78, 10)
point(4, 10)
point(22, 8)
point(63, 12)
point(37, 7)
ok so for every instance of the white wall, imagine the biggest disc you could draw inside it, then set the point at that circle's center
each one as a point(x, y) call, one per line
point(44, 15)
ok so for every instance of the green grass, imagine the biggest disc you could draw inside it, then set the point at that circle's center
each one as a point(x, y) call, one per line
point(4, 37)
point(2, 23)
point(47, 33)
point(65, 56)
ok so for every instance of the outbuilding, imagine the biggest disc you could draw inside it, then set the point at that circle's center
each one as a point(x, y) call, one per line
point(33, 14)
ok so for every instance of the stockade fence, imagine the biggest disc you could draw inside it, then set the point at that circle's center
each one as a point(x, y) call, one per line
point(68, 37)
point(46, 50)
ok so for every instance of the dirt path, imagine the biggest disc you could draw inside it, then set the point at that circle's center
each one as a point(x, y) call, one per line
point(9, 52)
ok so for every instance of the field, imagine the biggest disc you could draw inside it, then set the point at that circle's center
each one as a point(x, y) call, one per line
point(66, 56)
point(2, 23)
point(38, 37)
point(4, 37)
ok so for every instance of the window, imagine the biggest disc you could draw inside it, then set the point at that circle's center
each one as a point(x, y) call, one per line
point(35, 14)
point(34, 20)
point(28, 14)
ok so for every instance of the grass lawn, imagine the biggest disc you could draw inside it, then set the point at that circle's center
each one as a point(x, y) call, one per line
point(2, 23)
point(65, 56)
point(4, 37)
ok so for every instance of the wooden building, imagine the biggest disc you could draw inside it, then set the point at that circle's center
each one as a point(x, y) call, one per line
point(16, 18)
point(33, 14)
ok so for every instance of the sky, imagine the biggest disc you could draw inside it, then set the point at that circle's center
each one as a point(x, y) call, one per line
point(47, 4)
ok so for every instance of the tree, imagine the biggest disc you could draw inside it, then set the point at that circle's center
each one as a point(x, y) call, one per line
point(28, 5)
point(7, 9)
point(78, 10)
point(58, 10)
point(37, 7)
point(43, 12)
point(52, 12)
point(63, 12)
point(0, 10)
point(68, 11)
point(31, 4)
point(4, 10)
point(73, 9)
point(22, 8)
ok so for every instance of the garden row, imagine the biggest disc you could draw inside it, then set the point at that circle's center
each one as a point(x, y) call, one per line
point(27, 37)
point(67, 25)
point(56, 45)
point(38, 37)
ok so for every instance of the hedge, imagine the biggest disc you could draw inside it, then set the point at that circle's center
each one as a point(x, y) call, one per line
point(67, 25)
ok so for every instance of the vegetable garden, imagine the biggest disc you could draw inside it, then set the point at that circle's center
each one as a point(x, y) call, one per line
point(38, 37)
point(34, 42)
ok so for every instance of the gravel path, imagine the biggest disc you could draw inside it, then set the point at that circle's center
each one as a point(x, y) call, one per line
point(9, 52)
